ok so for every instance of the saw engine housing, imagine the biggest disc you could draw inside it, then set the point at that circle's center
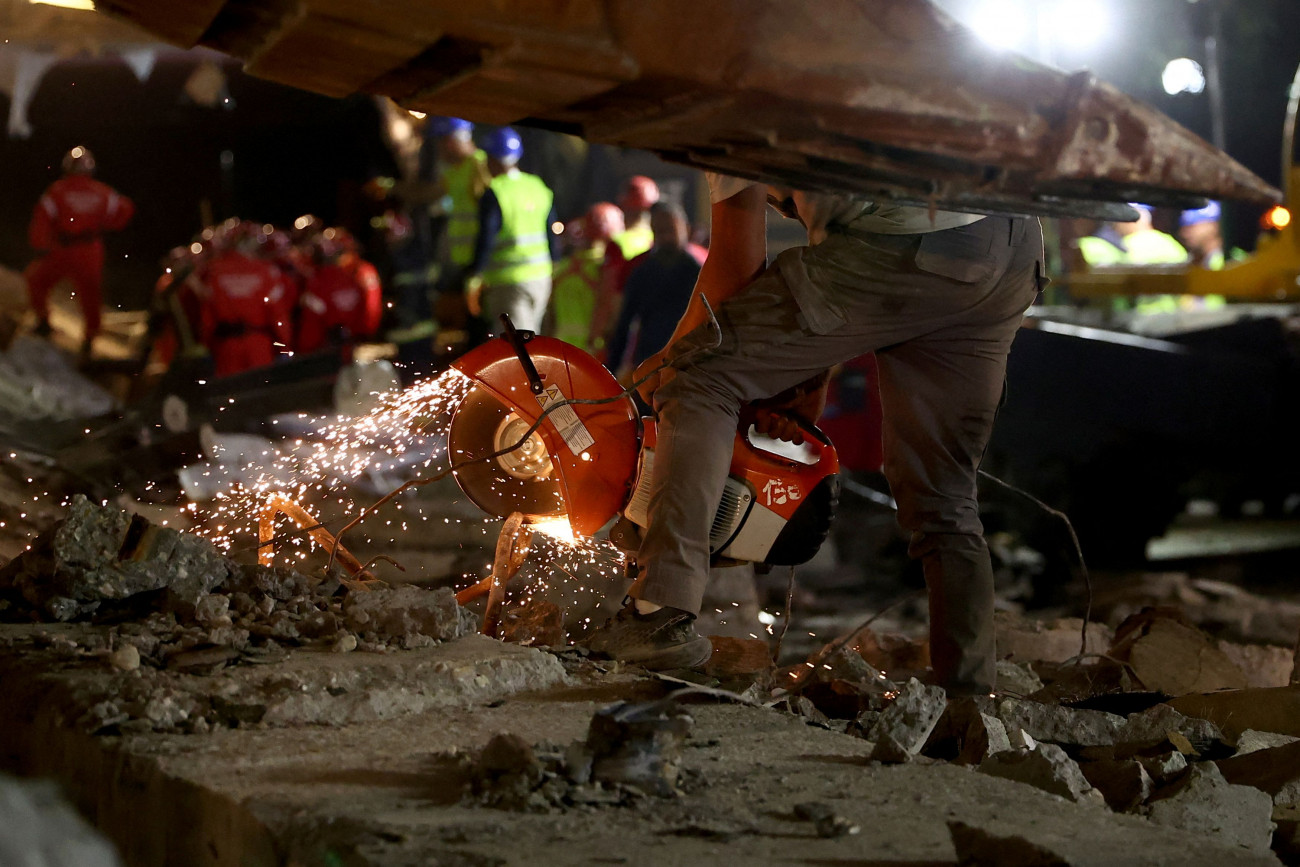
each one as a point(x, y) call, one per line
point(589, 462)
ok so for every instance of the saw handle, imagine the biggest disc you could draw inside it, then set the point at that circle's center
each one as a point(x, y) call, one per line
point(812, 433)
point(517, 339)
point(814, 438)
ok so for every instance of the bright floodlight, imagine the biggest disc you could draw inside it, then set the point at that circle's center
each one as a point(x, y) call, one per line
point(87, 5)
point(1183, 75)
point(1002, 23)
point(1077, 23)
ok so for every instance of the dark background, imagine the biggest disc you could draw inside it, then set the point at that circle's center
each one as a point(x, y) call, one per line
point(293, 152)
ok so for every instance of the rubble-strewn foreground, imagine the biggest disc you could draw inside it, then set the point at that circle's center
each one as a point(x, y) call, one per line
point(261, 715)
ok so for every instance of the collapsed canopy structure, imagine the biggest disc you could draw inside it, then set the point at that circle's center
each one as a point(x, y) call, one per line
point(890, 98)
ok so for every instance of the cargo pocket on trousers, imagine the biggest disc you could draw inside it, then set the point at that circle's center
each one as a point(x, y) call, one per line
point(961, 254)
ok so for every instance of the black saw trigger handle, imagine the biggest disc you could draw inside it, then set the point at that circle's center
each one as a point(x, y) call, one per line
point(517, 339)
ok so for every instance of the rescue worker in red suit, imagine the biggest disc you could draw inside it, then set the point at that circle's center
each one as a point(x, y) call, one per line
point(342, 299)
point(245, 320)
point(66, 229)
point(635, 238)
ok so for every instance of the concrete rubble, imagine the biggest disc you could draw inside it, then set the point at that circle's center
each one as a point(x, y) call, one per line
point(1046, 767)
point(157, 634)
point(1206, 803)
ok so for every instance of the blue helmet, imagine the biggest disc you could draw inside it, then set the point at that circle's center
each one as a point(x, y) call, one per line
point(504, 144)
point(445, 126)
point(1211, 213)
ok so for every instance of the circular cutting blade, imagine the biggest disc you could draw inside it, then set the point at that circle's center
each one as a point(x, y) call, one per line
point(522, 480)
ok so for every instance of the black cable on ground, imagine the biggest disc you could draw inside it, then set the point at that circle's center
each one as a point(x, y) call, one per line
point(1074, 539)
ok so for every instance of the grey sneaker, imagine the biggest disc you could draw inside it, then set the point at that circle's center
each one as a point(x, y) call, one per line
point(663, 640)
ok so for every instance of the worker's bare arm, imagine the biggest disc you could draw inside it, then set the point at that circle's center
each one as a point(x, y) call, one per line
point(737, 254)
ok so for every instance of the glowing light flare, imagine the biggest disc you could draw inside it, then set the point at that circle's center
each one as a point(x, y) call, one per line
point(1002, 23)
point(1277, 217)
point(1183, 75)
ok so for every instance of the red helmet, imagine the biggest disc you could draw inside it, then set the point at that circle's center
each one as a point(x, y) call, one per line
point(603, 221)
point(79, 161)
point(639, 194)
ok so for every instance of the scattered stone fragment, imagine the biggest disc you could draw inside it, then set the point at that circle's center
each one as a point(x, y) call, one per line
point(968, 733)
point(1017, 678)
point(538, 623)
point(1045, 767)
point(1164, 767)
point(1251, 741)
point(96, 554)
point(1275, 771)
point(212, 608)
point(842, 684)
point(40, 829)
point(1158, 645)
point(407, 612)
point(1124, 783)
point(345, 643)
point(639, 745)
point(125, 658)
point(827, 822)
point(905, 725)
point(1205, 803)
point(1155, 725)
point(1060, 725)
point(802, 706)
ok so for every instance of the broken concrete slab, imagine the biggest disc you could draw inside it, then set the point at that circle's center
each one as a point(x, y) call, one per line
point(1023, 640)
point(1060, 725)
point(906, 723)
point(414, 616)
point(1124, 783)
point(1275, 771)
point(1017, 679)
point(1206, 803)
point(1251, 741)
point(1159, 647)
point(1154, 725)
point(41, 829)
point(98, 554)
point(1045, 767)
point(1265, 665)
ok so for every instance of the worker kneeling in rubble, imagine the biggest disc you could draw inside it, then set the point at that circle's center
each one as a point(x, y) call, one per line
point(938, 296)
point(246, 312)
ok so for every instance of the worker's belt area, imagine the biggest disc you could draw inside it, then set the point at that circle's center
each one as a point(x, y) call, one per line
point(230, 330)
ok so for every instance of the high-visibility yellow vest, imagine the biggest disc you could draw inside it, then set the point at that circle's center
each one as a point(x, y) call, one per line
point(573, 294)
point(464, 186)
point(634, 241)
point(522, 251)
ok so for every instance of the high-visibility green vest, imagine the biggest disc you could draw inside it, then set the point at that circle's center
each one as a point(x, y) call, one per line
point(1098, 251)
point(573, 294)
point(462, 216)
point(522, 251)
point(1153, 247)
point(634, 241)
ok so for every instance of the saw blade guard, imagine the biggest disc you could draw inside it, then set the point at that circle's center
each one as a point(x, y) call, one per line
point(580, 464)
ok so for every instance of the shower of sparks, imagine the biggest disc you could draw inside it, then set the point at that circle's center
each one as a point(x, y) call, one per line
point(405, 435)
point(404, 438)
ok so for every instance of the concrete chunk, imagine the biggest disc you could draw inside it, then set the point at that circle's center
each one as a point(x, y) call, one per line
point(1045, 767)
point(1252, 741)
point(1207, 804)
point(1154, 726)
point(1124, 784)
point(908, 721)
point(1275, 771)
point(1060, 725)
point(408, 614)
point(968, 733)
